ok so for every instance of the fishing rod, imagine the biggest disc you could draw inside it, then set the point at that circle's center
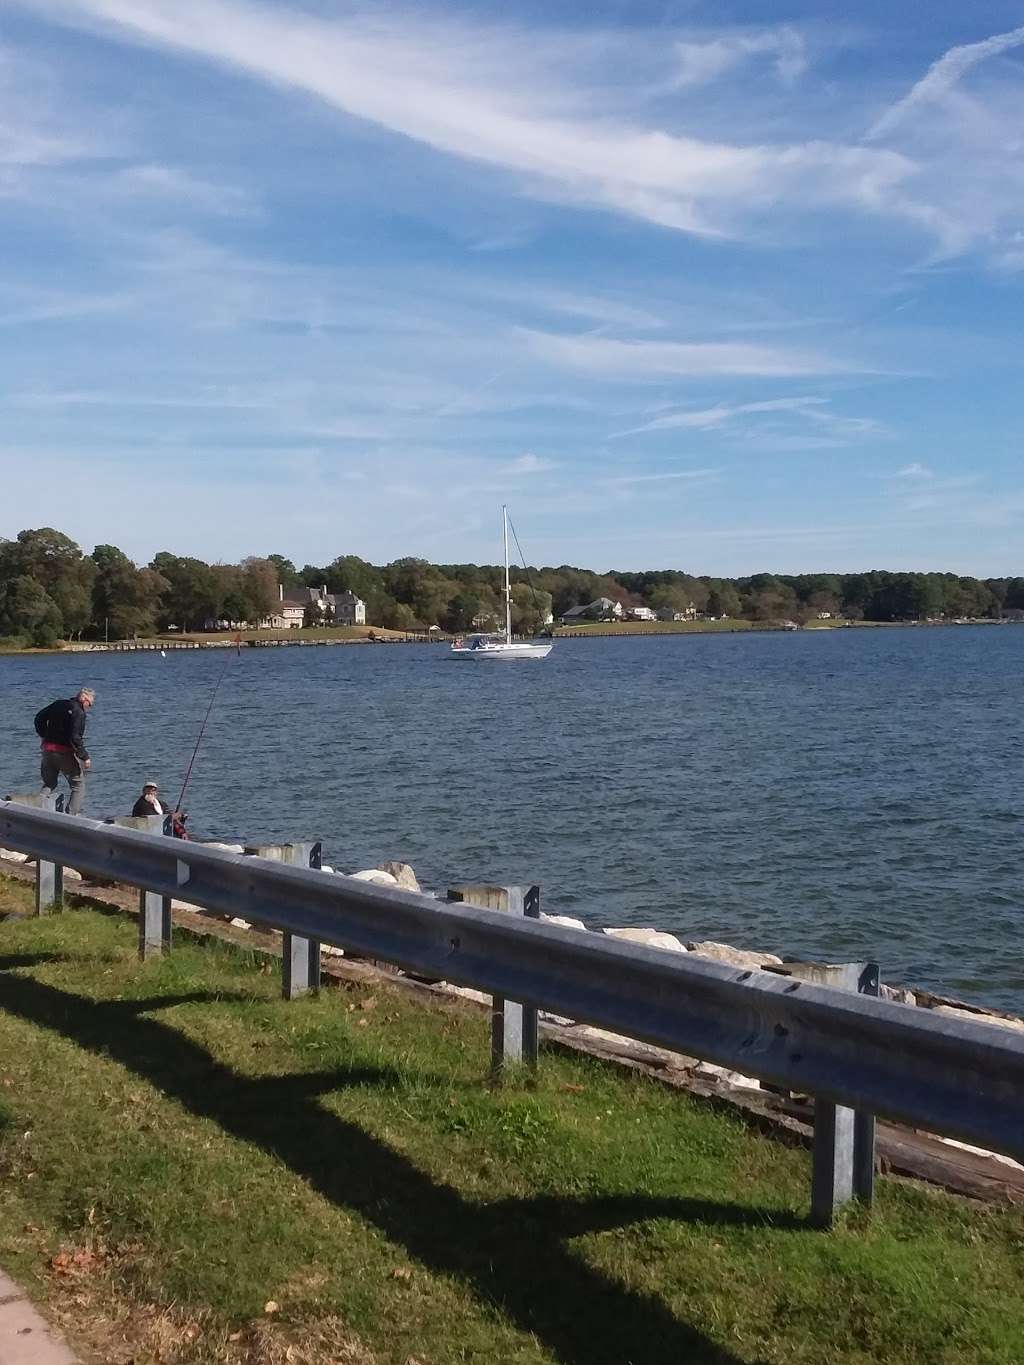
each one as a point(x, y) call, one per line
point(206, 718)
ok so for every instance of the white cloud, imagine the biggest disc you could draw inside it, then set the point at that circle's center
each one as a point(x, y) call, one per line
point(507, 98)
point(835, 428)
point(913, 471)
point(150, 179)
point(704, 419)
point(942, 76)
point(661, 478)
point(599, 355)
point(528, 464)
point(708, 60)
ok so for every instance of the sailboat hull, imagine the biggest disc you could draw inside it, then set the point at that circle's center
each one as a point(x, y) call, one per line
point(520, 650)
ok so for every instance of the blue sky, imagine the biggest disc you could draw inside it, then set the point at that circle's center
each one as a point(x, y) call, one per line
point(684, 287)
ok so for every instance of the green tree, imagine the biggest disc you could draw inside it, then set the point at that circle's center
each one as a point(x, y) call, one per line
point(59, 567)
point(461, 613)
point(723, 599)
point(27, 611)
point(258, 587)
point(125, 600)
point(400, 617)
point(287, 574)
point(194, 591)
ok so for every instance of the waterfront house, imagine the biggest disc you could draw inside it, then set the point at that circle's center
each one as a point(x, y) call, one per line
point(641, 614)
point(349, 610)
point(603, 609)
point(670, 614)
point(323, 607)
point(288, 613)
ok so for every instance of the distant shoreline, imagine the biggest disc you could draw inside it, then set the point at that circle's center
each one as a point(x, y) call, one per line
point(193, 643)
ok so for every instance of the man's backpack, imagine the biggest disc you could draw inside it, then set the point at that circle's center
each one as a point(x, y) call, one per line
point(53, 722)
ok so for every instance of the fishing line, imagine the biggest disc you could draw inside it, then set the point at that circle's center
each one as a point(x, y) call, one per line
point(202, 728)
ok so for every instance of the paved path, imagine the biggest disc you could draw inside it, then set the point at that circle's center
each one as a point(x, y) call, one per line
point(25, 1339)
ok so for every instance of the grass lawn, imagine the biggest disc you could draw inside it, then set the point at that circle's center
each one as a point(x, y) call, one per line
point(193, 1171)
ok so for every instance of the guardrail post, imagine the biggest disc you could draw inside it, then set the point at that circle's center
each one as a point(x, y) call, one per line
point(513, 1026)
point(300, 957)
point(864, 1124)
point(49, 876)
point(154, 909)
point(843, 1155)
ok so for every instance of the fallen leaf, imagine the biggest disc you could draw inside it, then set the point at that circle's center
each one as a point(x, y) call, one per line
point(369, 1003)
point(271, 1307)
point(573, 1089)
point(402, 1272)
point(235, 1336)
point(362, 1023)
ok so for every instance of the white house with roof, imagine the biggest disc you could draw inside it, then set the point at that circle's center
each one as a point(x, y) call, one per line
point(603, 609)
point(328, 608)
point(670, 614)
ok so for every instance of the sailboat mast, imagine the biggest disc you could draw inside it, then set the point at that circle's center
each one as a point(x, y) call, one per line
point(508, 586)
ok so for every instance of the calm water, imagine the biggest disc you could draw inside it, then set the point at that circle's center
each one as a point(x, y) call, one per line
point(839, 794)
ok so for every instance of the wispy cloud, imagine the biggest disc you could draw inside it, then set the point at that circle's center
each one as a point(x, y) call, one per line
point(525, 465)
point(689, 474)
point(942, 76)
point(642, 360)
point(153, 180)
point(913, 471)
point(835, 427)
point(701, 62)
point(497, 96)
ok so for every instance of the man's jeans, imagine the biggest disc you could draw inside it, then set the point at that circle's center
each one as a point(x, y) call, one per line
point(53, 765)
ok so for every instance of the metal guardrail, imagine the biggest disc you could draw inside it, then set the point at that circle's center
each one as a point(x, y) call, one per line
point(949, 1076)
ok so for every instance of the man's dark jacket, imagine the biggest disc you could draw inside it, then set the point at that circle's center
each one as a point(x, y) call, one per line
point(63, 722)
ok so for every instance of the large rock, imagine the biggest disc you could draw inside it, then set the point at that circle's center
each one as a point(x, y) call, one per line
point(981, 1151)
point(376, 877)
point(403, 874)
point(733, 1078)
point(648, 938)
point(566, 921)
point(976, 1017)
point(733, 957)
point(900, 995)
point(9, 856)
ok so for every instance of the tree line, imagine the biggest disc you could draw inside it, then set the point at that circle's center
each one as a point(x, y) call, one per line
point(50, 590)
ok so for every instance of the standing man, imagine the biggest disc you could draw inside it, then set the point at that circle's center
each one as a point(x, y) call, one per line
point(61, 727)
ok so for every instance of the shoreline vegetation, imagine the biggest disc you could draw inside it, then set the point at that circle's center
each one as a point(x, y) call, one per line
point(368, 635)
point(202, 1172)
point(54, 595)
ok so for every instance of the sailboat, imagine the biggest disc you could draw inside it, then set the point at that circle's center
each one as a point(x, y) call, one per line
point(501, 646)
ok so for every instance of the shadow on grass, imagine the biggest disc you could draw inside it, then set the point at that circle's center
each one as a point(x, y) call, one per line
point(12, 961)
point(511, 1253)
